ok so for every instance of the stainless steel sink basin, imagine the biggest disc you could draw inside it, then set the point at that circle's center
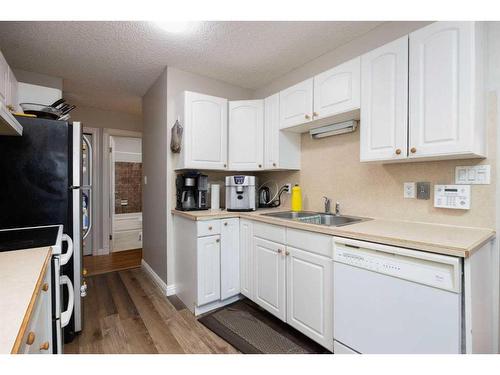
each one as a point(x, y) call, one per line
point(320, 218)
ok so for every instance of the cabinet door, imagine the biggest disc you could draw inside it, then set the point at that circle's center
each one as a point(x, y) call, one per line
point(296, 104)
point(384, 102)
point(246, 135)
point(442, 88)
point(309, 295)
point(246, 258)
point(208, 264)
point(4, 78)
point(230, 258)
point(271, 131)
point(269, 263)
point(337, 90)
point(205, 131)
point(12, 98)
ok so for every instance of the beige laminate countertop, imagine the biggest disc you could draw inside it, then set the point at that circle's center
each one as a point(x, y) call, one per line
point(435, 238)
point(21, 273)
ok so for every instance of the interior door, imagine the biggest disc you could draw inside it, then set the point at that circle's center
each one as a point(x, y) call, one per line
point(205, 131)
point(246, 135)
point(208, 264)
point(270, 280)
point(230, 258)
point(337, 90)
point(384, 101)
point(441, 89)
point(296, 104)
point(309, 295)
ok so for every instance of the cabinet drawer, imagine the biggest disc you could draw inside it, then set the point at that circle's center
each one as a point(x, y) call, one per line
point(208, 228)
point(321, 244)
point(269, 232)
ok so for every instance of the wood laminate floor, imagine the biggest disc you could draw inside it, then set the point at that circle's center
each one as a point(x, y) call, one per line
point(121, 260)
point(125, 312)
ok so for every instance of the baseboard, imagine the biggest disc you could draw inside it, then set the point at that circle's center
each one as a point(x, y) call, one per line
point(170, 290)
point(157, 279)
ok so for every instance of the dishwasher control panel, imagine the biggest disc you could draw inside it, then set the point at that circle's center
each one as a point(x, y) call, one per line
point(423, 271)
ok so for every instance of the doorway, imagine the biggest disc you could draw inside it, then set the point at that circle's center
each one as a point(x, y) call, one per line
point(126, 193)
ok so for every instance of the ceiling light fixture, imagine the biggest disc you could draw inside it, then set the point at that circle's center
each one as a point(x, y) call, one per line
point(174, 27)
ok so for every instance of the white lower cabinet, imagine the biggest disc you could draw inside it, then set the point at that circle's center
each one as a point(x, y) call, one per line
point(208, 269)
point(309, 295)
point(246, 258)
point(289, 273)
point(269, 263)
point(229, 258)
point(38, 336)
point(206, 262)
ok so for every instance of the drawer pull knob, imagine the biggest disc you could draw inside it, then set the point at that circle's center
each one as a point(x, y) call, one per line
point(44, 346)
point(280, 251)
point(413, 150)
point(287, 253)
point(260, 165)
point(225, 224)
point(315, 114)
point(31, 338)
point(274, 164)
point(398, 151)
point(45, 287)
point(209, 228)
point(307, 117)
point(217, 240)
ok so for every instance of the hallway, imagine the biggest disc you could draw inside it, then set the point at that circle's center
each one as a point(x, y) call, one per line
point(125, 312)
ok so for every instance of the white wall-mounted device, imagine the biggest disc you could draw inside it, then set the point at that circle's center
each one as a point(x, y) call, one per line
point(473, 175)
point(452, 196)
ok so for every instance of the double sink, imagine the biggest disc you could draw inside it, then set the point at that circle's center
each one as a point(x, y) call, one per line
point(318, 218)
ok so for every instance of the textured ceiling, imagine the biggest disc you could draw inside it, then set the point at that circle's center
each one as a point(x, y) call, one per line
point(111, 65)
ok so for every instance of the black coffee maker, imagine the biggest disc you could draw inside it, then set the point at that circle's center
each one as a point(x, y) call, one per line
point(192, 191)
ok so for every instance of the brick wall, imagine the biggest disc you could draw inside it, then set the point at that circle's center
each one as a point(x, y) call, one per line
point(128, 187)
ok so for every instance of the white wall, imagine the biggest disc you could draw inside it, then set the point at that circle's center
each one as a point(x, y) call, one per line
point(154, 167)
point(99, 118)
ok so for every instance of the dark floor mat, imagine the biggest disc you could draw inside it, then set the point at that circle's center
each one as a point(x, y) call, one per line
point(252, 330)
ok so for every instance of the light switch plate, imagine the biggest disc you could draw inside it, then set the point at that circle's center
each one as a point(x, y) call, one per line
point(473, 175)
point(409, 190)
point(423, 190)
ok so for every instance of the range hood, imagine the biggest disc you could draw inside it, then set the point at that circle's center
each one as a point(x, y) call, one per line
point(334, 129)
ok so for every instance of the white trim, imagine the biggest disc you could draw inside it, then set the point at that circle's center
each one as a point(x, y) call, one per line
point(198, 310)
point(171, 290)
point(158, 281)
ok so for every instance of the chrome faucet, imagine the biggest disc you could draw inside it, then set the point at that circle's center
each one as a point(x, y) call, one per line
point(337, 208)
point(327, 205)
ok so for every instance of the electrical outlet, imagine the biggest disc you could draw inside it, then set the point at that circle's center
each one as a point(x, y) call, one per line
point(288, 187)
point(410, 190)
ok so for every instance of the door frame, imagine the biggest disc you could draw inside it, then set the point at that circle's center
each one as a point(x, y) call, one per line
point(107, 193)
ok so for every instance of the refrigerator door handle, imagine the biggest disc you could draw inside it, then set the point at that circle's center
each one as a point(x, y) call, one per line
point(65, 257)
point(66, 315)
point(89, 212)
point(90, 161)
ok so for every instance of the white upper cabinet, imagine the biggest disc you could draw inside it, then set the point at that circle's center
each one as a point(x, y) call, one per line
point(281, 148)
point(246, 135)
point(296, 104)
point(205, 132)
point(384, 98)
point(12, 92)
point(446, 91)
point(337, 90)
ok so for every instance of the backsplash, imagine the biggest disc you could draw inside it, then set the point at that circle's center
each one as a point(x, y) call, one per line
point(128, 187)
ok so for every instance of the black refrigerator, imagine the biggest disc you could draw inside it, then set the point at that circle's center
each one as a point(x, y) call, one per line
point(40, 174)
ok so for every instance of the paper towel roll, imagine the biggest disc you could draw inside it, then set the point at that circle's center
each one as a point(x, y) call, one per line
point(215, 197)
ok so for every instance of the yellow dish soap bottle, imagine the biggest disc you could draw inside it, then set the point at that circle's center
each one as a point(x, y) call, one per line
point(296, 198)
